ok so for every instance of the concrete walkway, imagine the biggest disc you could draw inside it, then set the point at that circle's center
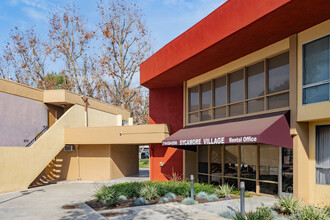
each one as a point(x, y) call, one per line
point(46, 202)
point(170, 211)
point(178, 211)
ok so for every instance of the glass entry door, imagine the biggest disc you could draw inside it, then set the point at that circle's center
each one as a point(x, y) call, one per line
point(287, 172)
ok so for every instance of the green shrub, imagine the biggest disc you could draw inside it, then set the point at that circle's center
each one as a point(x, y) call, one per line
point(180, 188)
point(107, 195)
point(141, 201)
point(239, 216)
point(262, 213)
point(101, 193)
point(188, 201)
point(170, 196)
point(202, 187)
point(201, 195)
point(212, 197)
point(327, 210)
point(149, 192)
point(163, 200)
point(238, 193)
point(223, 191)
point(130, 190)
point(311, 212)
point(288, 205)
point(133, 189)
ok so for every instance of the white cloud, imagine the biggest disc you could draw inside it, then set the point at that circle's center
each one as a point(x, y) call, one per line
point(35, 14)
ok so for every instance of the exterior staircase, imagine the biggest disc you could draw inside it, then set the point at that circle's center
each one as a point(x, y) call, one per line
point(20, 166)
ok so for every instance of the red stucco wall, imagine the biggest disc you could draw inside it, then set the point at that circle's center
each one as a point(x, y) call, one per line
point(166, 106)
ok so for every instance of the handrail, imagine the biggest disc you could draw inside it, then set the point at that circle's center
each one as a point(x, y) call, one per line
point(37, 136)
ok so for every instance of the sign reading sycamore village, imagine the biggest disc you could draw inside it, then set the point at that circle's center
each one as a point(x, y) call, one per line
point(211, 141)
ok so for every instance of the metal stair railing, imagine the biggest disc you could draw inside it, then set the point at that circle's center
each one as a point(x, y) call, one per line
point(37, 136)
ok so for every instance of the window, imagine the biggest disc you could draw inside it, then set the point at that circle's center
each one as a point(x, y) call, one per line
point(255, 88)
point(236, 85)
point(203, 168)
point(220, 91)
point(256, 165)
point(69, 147)
point(322, 163)
point(316, 74)
point(193, 99)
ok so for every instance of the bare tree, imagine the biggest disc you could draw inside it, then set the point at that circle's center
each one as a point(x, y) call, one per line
point(139, 106)
point(71, 40)
point(25, 55)
point(126, 44)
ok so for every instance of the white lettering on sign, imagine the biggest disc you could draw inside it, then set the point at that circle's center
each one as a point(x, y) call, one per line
point(170, 143)
point(219, 140)
point(211, 141)
point(242, 139)
point(235, 140)
point(191, 142)
point(250, 139)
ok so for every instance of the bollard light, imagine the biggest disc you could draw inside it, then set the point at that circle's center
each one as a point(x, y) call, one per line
point(242, 198)
point(192, 186)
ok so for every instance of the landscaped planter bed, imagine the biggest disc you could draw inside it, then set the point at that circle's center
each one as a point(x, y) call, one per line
point(149, 193)
point(99, 206)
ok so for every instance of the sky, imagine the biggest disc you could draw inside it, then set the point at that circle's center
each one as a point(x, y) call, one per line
point(166, 19)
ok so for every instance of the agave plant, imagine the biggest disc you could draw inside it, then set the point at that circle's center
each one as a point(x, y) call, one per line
point(149, 192)
point(311, 212)
point(223, 191)
point(288, 205)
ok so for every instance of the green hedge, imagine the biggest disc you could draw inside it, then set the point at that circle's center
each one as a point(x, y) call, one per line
point(132, 189)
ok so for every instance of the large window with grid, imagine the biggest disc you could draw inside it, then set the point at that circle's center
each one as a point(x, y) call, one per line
point(256, 165)
point(255, 88)
point(316, 71)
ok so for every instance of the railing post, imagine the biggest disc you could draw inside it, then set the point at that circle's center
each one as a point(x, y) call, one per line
point(242, 198)
point(192, 186)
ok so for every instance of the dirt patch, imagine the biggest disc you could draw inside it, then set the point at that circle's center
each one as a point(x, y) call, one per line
point(109, 214)
point(69, 207)
point(99, 206)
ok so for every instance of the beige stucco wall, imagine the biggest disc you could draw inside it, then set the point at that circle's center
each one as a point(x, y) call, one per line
point(58, 97)
point(94, 162)
point(67, 165)
point(136, 134)
point(313, 111)
point(21, 165)
point(21, 90)
point(97, 162)
point(66, 97)
point(124, 160)
point(319, 194)
point(312, 115)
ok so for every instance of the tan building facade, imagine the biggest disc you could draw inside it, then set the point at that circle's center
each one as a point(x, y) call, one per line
point(44, 138)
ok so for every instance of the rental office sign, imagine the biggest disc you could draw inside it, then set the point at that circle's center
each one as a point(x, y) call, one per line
point(211, 141)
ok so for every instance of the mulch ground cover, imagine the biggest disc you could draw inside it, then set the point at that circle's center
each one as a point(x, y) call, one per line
point(99, 206)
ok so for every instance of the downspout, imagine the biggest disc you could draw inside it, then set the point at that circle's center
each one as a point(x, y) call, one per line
point(85, 99)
